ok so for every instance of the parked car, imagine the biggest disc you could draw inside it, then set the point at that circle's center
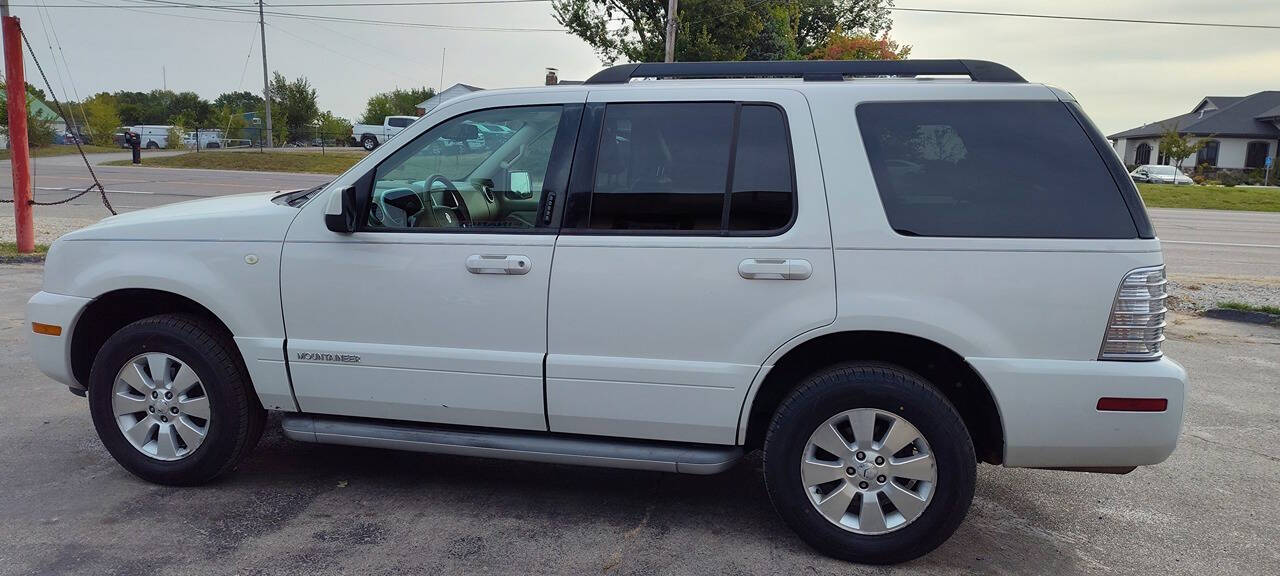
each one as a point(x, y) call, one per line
point(371, 136)
point(209, 139)
point(1157, 174)
point(879, 283)
point(153, 136)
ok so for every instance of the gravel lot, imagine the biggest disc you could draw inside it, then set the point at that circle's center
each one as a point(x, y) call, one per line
point(306, 509)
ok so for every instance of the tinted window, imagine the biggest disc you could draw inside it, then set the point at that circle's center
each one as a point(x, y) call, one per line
point(762, 174)
point(399, 122)
point(662, 167)
point(990, 169)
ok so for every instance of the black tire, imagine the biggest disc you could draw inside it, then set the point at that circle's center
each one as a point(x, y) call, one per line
point(152, 145)
point(369, 142)
point(236, 416)
point(892, 389)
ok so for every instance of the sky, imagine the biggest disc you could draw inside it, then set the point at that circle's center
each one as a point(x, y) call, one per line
point(1124, 75)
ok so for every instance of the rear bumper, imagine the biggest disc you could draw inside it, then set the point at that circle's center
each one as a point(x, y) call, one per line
point(53, 353)
point(1050, 416)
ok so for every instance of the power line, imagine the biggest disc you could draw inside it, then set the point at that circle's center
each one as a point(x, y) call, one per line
point(1088, 18)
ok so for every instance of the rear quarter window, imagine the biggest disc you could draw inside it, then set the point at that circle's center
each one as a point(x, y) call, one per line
point(990, 169)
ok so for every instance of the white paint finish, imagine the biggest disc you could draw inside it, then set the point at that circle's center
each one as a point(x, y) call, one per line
point(427, 331)
point(648, 335)
point(264, 358)
point(1050, 416)
point(249, 217)
point(436, 342)
point(52, 354)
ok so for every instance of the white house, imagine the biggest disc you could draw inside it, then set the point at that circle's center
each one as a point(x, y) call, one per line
point(446, 94)
point(1242, 132)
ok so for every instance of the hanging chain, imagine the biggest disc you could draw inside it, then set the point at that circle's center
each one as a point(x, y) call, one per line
point(96, 184)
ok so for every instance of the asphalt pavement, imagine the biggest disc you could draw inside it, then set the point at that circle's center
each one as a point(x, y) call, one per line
point(306, 509)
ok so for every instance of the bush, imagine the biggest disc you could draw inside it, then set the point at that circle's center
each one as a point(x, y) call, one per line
point(1229, 178)
point(174, 138)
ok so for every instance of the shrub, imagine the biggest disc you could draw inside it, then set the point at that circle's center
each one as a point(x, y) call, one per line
point(176, 132)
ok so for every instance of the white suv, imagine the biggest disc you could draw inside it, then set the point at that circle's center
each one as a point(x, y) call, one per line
point(876, 278)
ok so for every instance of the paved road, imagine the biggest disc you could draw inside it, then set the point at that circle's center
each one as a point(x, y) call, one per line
point(133, 188)
point(1197, 242)
point(306, 509)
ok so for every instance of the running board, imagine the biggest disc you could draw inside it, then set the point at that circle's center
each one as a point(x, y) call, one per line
point(514, 445)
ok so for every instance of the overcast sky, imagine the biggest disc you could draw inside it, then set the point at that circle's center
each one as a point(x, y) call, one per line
point(1123, 74)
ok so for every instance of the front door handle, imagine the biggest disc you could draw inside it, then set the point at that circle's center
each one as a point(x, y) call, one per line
point(498, 264)
point(775, 269)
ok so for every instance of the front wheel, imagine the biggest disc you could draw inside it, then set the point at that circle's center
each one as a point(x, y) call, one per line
point(171, 400)
point(869, 463)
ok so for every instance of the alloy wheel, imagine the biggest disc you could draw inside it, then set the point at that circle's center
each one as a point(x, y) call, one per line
point(161, 406)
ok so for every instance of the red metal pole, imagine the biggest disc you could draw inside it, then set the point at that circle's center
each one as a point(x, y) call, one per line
point(16, 92)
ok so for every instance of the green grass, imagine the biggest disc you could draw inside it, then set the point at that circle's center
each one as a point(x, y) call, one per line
point(333, 162)
point(1233, 305)
point(11, 249)
point(62, 150)
point(1211, 197)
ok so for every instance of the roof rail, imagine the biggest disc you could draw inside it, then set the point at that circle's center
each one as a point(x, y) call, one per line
point(810, 70)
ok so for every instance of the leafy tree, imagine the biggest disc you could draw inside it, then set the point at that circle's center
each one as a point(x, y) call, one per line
point(394, 103)
point(1177, 147)
point(103, 117)
point(293, 107)
point(173, 141)
point(230, 120)
point(841, 46)
point(335, 130)
point(39, 125)
point(242, 101)
point(187, 108)
point(635, 30)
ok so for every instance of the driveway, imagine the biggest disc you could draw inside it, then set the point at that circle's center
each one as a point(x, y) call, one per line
point(307, 509)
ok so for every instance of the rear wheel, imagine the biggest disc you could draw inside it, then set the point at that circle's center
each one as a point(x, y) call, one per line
point(869, 463)
point(369, 142)
point(171, 401)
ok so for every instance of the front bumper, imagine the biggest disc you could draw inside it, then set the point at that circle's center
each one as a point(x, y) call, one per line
point(1050, 416)
point(53, 353)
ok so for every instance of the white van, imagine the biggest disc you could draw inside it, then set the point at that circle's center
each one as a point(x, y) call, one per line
point(153, 135)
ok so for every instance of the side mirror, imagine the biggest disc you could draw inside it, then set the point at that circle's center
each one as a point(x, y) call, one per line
point(344, 222)
point(520, 188)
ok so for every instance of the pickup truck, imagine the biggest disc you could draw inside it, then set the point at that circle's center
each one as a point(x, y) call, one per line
point(371, 136)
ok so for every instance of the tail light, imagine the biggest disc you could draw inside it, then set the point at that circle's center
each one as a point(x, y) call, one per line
point(1135, 330)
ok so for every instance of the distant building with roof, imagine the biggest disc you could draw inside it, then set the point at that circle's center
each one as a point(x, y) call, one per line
point(445, 95)
point(1242, 132)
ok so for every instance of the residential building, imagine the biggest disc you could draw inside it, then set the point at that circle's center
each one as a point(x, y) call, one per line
point(1242, 131)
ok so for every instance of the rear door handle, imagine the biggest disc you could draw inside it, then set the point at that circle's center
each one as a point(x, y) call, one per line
point(498, 264)
point(775, 269)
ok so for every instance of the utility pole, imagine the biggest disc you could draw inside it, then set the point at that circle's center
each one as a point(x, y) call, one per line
point(266, 82)
point(671, 29)
point(20, 153)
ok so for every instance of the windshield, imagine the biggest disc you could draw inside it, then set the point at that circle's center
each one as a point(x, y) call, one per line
point(1160, 170)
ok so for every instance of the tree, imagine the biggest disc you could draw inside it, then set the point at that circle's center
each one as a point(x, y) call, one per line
point(841, 46)
point(293, 107)
point(335, 130)
point(230, 120)
point(635, 30)
point(242, 101)
point(1177, 147)
point(39, 124)
point(103, 117)
point(394, 103)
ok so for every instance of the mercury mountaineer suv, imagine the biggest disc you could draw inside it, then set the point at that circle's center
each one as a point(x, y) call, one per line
point(878, 273)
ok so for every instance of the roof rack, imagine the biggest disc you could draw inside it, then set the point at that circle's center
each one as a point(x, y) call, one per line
point(810, 70)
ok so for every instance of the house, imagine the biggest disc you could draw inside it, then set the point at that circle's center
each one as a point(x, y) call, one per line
point(36, 107)
point(1242, 131)
point(444, 95)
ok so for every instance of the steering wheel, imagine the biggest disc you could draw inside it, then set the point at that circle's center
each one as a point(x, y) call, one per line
point(452, 199)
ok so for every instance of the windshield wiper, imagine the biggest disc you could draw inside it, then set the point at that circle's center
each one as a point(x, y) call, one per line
point(297, 199)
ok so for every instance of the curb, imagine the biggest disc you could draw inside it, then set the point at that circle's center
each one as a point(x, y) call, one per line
point(23, 259)
point(1246, 316)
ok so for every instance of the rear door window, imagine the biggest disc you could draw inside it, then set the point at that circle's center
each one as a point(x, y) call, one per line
point(990, 169)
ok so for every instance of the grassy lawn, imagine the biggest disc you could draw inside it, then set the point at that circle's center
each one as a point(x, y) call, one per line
point(11, 249)
point(331, 162)
point(1211, 197)
point(1233, 305)
point(62, 150)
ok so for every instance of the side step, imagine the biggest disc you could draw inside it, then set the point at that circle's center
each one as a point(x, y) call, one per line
point(514, 445)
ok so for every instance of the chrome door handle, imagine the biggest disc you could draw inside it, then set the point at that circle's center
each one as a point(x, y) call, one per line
point(497, 264)
point(775, 269)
